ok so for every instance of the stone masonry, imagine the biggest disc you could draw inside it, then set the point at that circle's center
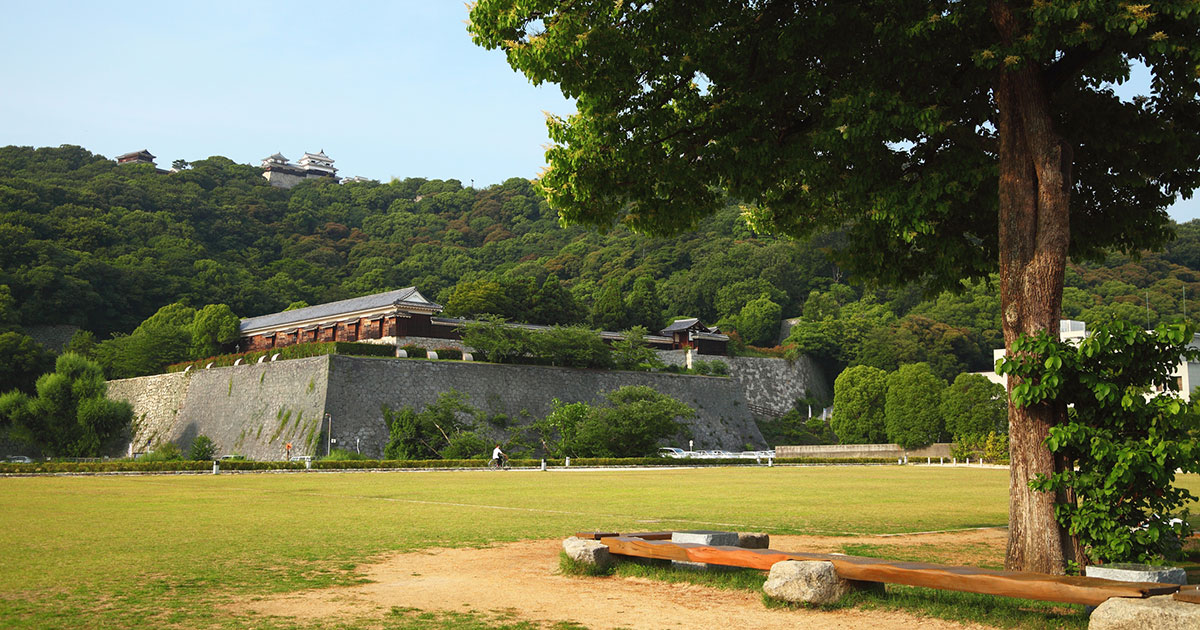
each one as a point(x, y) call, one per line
point(254, 410)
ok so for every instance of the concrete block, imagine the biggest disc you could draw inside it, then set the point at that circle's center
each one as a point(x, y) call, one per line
point(1129, 572)
point(753, 540)
point(706, 537)
point(1153, 613)
point(703, 537)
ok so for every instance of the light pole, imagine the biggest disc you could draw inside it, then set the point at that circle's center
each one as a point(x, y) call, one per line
point(329, 438)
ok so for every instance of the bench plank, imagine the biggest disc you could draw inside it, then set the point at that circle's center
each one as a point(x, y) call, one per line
point(642, 535)
point(1040, 586)
point(1189, 593)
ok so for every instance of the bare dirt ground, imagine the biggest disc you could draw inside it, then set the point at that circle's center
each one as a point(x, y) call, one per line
point(522, 578)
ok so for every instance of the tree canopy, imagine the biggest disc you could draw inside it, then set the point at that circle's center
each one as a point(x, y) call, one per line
point(945, 140)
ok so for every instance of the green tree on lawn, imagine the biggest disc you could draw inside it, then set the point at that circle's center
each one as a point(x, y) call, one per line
point(946, 141)
point(912, 414)
point(974, 406)
point(859, 396)
point(69, 415)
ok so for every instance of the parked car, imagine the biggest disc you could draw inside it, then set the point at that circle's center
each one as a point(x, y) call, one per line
point(19, 459)
point(671, 451)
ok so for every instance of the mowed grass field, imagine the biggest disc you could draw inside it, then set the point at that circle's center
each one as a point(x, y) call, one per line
point(166, 550)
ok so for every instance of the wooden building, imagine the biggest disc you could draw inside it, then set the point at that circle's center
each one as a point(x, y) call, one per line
point(389, 317)
point(383, 316)
point(690, 333)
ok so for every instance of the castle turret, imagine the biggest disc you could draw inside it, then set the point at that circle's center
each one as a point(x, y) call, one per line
point(318, 165)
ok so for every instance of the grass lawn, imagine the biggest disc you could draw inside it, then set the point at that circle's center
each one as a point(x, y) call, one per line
point(154, 551)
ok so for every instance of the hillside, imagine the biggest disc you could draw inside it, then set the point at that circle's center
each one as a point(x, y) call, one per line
point(102, 247)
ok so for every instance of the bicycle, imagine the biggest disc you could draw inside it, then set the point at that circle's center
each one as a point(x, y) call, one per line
point(501, 463)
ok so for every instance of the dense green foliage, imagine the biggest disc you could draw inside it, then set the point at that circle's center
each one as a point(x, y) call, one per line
point(441, 430)
point(69, 415)
point(912, 417)
point(568, 346)
point(859, 394)
point(633, 422)
point(794, 428)
point(106, 247)
point(202, 449)
point(1127, 434)
point(974, 406)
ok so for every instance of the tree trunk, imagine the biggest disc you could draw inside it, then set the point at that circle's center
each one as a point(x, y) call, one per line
point(1035, 184)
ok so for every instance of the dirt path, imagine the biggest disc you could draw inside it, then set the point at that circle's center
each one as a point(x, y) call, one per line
point(523, 578)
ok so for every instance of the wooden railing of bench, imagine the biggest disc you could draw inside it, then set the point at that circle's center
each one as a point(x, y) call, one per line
point(1040, 586)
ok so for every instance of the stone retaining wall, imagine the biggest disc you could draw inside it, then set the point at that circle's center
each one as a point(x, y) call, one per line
point(773, 384)
point(253, 410)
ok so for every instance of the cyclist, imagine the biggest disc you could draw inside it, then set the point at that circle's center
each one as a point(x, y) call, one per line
point(499, 459)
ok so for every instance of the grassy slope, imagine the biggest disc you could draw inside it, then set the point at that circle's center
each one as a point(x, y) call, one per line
point(94, 551)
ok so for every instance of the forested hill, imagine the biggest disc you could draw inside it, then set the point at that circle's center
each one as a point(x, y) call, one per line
point(103, 246)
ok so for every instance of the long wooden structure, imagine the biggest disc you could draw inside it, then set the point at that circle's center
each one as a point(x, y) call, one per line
point(1040, 586)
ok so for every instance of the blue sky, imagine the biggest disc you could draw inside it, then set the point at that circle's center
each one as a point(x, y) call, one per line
point(387, 89)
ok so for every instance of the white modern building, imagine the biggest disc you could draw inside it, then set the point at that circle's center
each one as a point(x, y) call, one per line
point(1187, 373)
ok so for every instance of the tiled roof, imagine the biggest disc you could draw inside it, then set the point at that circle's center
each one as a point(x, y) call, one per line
point(681, 324)
point(339, 309)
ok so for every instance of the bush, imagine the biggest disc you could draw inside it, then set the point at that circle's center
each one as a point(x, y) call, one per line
point(299, 351)
point(793, 428)
point(632, 424)
point(449, 354)
point(992, 447)
point(1126, 435)
point(202, 449)
point(165, 452)
point(343, 455)
point(415, 352)
point(431, 433)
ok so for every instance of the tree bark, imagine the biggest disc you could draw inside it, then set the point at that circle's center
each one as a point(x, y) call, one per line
point(1034, 196)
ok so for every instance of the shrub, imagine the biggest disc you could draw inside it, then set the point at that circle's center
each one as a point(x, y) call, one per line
point(343, 455)
point(1126, 434)
point(632, 424)
point(299, 351)
point(415, 352)
point(202, 449)
point(428, 434)
point(450, 354)
point(164, 452)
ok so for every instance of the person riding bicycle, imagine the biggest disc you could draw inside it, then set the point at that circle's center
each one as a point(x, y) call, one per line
point(499, 459)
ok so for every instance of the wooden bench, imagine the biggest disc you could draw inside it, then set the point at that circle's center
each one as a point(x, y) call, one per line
point(1040, 586)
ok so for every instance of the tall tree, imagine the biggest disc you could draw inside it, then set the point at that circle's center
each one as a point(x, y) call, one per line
point(947, 140)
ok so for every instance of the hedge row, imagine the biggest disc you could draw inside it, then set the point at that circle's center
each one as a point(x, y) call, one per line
point(300, 351)
point(364, 464)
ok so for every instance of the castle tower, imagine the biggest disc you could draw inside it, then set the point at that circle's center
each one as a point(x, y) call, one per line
point(318, 165)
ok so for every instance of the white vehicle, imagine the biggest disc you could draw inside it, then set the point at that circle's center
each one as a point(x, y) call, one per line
point(671, 451)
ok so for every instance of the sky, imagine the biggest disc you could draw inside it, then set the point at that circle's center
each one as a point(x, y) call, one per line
point(386, 89)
